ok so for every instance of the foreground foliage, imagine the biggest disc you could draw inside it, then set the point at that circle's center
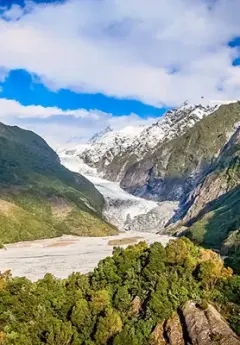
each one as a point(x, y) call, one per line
point(121, 302)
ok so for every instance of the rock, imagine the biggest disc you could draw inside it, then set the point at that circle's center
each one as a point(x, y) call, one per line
point(222, 178)
point(207, 327)
point(173, 331)
point(154, 220)
point(136, 305)
point(157, 338)
point(177, 165)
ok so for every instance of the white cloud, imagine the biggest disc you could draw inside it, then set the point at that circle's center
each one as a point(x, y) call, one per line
point(125, 48)
point(58, 126)
point(14, 13)
point(12, 108)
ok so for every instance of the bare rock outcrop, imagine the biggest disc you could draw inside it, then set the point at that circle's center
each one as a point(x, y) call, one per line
point(157, 336)
point(207, 327)
point(174, 331)
point(194, 325)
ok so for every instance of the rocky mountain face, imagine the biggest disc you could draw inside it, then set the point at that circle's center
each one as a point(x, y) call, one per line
point(211, 211)
point(189, 156)
point(174, 168)
point(112, 151)
point(165, 160)
point(39, 197)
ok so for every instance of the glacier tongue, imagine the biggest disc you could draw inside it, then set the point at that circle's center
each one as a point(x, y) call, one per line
point(124, 210)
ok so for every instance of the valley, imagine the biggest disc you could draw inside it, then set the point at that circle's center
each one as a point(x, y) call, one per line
point(119, 172)
point(125, 211)
point(67, 254)
point(87, 253)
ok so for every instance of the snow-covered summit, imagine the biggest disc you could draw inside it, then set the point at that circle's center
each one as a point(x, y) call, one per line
point(117, 147)
point(105, 145)
point(99, 135)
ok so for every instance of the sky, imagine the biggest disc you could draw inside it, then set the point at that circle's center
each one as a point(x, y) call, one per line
point(70, 68)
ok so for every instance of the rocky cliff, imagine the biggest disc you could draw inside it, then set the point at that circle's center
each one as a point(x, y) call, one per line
point(211, 211)
point(165, 160)
point(176, 166)
point(113, 152)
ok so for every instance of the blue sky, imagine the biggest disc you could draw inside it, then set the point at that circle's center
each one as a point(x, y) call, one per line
point(28, 90)
point(70, 68)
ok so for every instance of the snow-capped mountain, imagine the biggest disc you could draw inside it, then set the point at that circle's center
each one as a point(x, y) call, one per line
point(104, 146)
point(99, 135)
point(111, 151)
point(161, 162)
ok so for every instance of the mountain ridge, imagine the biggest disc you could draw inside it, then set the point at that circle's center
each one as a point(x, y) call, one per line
point(48, 200)
point(112, 151)
point(196, 165)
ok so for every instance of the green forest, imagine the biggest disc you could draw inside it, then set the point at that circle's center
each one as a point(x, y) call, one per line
point(122, 301)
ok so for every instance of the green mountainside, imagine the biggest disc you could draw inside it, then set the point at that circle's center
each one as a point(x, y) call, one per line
point(39, 197)
point(212, 209)
point(140, 296)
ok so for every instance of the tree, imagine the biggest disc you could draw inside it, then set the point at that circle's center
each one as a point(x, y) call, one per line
point(108, 326)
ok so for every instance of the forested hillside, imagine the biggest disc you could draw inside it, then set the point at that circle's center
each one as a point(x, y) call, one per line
point(40, 198)
point(140, 296)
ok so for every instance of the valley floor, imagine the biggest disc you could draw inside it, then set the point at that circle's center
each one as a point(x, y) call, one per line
point(67, 254)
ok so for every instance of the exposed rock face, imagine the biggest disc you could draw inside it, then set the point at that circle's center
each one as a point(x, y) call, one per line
point(136, 305)
point(195, 327)
point(207, 327)
point(211, 211)
point(154, 220)
point(175, 167)
point(223, 177)
point(157, 337)
point(174, 332)
point(165, 160)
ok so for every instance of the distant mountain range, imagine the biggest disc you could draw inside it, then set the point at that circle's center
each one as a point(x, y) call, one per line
point(190, 155)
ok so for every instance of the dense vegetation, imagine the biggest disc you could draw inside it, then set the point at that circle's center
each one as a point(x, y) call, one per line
point(40, 198)
point(216, 224)
point(121, 302)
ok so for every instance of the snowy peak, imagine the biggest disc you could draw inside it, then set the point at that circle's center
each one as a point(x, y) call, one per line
point(99, 135)
point(111, 151)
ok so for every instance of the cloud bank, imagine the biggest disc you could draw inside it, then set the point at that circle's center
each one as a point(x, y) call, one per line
point(58, 127)
point(156, 51)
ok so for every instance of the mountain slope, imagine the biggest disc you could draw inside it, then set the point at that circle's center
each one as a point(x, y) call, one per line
point(38, 196)
point(168, 160)
point(147, 160)
point(211, 211)
point(175, 166)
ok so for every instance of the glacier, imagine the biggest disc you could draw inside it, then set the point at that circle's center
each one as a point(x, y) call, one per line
point(125, 211)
